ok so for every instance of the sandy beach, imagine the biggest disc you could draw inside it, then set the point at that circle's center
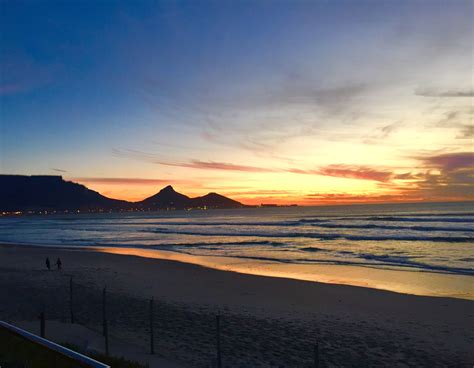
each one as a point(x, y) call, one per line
point(266, 321)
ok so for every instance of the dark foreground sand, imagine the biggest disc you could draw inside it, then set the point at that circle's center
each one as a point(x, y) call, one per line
point(266, 322)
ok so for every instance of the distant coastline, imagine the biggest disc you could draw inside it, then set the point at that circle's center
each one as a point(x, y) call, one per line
point(50, 194)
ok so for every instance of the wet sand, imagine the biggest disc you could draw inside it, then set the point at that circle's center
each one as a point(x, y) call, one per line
point(266, 321)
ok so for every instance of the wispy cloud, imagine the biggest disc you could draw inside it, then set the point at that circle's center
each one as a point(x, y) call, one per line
point(11, 88)
point(58, 170)
point(433, 92)
point(334, 170)
point(261, 192)
point(450, 118)
point(192, 164)
point(459, 118)
point(355, 172)
point(22, 73)
point(135, 154)
point(358, 198)
point(297, 89)
point(407, 176)
point(213, 165)
point(122, 181)
point(382, 132)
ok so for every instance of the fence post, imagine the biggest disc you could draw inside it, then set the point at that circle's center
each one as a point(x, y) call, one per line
point(103, 310)
point(105, 331)
point(71, 310)
point(42, 325)
point(106, 339)
point(316, 355)
point(152, 337)
point(218, 341)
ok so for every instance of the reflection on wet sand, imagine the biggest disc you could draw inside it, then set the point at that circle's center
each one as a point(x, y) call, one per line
point(401, 281)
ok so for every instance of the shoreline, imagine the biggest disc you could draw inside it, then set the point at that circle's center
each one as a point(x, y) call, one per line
point(269, 320)
point(245, 206)
point(408, 282)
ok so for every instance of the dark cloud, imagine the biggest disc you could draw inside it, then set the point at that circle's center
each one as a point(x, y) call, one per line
point(466, 132)
point(348, 171)
point(451, 185)
point(449, 161)
point(446, 177)
point(58, 170)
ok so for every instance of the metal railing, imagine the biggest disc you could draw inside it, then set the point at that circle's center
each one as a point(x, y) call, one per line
point(82, 360)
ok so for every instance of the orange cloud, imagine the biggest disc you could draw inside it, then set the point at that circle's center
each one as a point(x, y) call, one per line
point(348, 171)
point(328, 198)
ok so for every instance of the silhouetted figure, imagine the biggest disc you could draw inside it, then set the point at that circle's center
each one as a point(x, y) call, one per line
point(59, 264)
point(48, 265)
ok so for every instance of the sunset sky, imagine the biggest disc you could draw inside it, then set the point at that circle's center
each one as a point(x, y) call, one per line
point(308, 102)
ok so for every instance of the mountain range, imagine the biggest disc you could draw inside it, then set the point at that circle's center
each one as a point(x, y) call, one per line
point(38, 193)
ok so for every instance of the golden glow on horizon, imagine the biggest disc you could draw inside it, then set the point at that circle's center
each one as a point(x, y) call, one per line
point(384, 160)
point(322, 102)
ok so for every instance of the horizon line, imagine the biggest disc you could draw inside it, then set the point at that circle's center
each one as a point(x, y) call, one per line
point(322, 203)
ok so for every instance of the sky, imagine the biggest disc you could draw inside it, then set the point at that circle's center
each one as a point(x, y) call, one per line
point(307, 102)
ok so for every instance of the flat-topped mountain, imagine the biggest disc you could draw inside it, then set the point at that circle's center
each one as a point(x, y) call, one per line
point(47, 192)
point(52, 193)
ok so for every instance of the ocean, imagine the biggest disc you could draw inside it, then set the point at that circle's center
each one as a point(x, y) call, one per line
point(424, 248)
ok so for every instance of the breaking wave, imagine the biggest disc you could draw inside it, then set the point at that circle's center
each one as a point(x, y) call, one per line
point(323, 236)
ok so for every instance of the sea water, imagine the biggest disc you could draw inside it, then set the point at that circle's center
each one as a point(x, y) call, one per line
point(424, 248)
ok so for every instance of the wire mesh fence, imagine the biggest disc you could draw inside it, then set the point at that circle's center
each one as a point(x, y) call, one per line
point(186, 333)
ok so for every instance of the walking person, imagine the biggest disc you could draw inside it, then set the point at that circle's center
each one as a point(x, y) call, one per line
point(59, 264)
point(48, 264)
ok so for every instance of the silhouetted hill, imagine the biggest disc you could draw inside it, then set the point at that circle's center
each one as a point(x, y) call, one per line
point(166, 198)
point(214, 200)
point(47, 192)
point(170, 199)
point(52, 193)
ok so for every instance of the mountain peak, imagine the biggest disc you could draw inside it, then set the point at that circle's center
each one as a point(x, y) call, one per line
point(43, 192)
point(167, 198)
point(168, 188)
